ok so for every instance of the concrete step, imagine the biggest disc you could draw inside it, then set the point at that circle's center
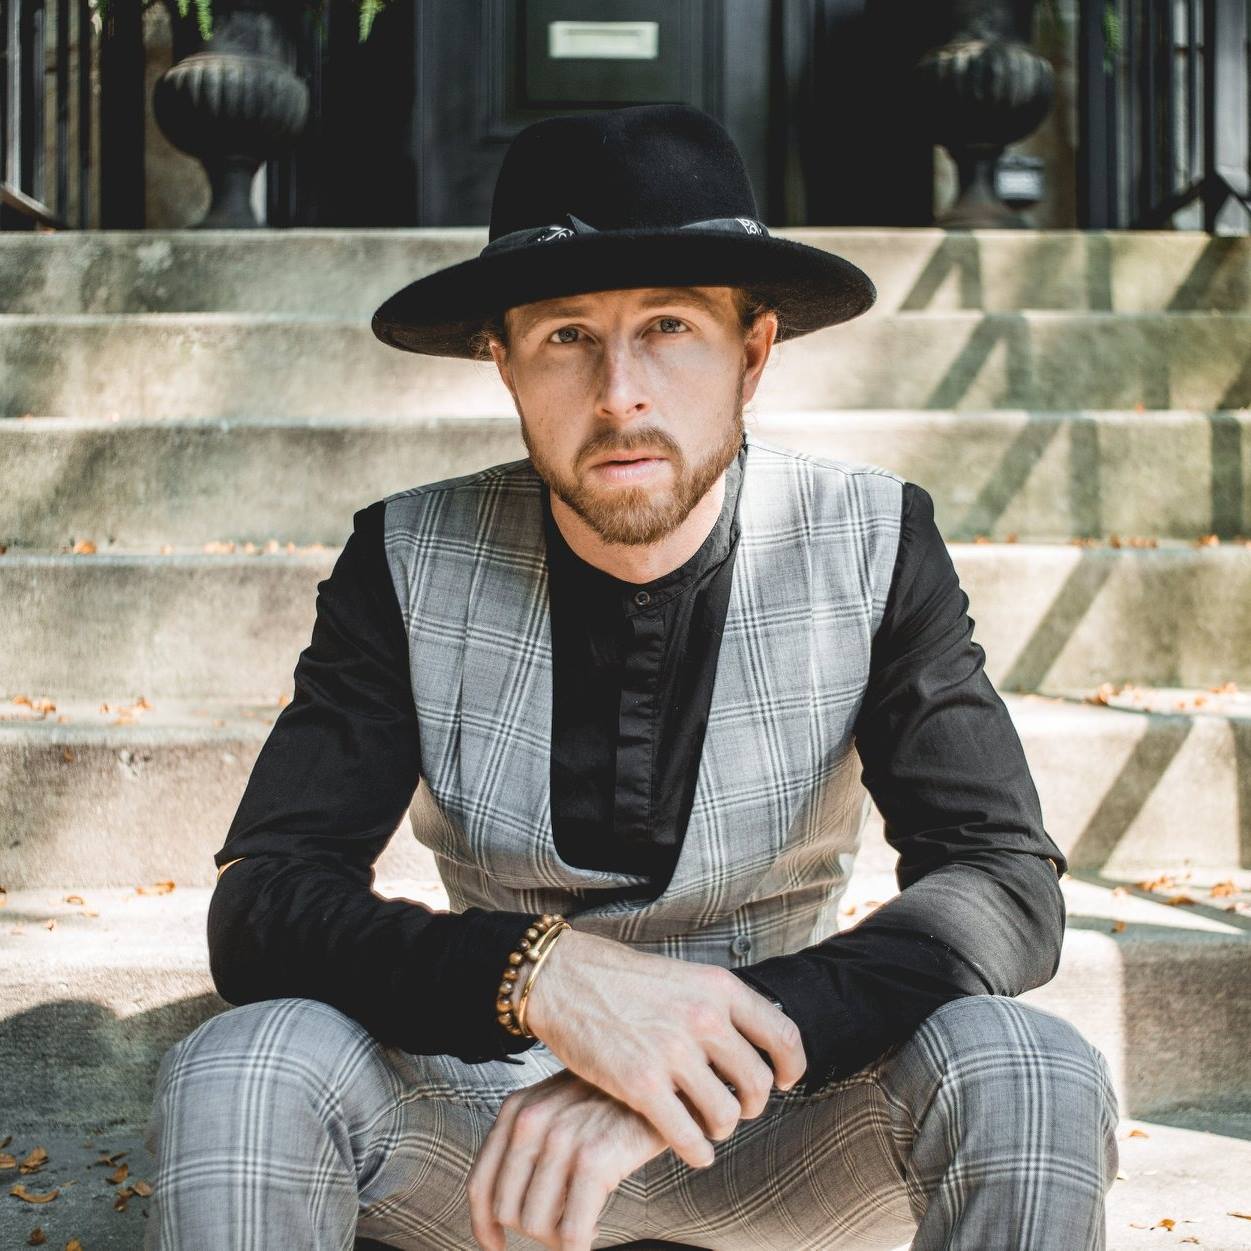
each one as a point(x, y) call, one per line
point(116, 623)
point(1038, 475)
point(283, 365)
point(88, 1006)
point(1190, 1169)
point(349, 272)
point(134, 795)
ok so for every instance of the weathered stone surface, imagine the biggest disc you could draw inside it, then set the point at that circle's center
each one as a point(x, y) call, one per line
point(1038, 475)
point(1124, 790)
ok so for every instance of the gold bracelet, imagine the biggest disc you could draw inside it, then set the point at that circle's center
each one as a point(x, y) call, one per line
point(538, 954)
point(527, 951)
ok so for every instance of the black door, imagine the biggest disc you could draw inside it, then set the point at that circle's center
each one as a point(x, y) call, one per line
point(490, 67)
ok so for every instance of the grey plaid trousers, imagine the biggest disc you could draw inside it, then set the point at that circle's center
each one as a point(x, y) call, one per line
point(285, 1124)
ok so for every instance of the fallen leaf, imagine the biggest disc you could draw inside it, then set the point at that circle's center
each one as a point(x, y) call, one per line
point(73, 1245)
point(20, 1192)
point(67, 754)
point(142, 1188)
point(1117, 926)
point(1226, 887)
point(157, 888)
point(1164, 1223)
point(8, 1161)
point(1175, 900)
point(1138, 1133)
point(1246, 1216)
point(34, 1161)
point(119, 1174)
point(84, 547)
point(50, 923)
point(75, 899)
point(1188, 1238)
point(8, 1138)
point(37, 1237)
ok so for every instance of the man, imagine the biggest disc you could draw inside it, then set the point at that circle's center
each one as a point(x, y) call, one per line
point(633, 674)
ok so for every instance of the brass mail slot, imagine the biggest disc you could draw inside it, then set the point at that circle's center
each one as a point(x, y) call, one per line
point(606, 41)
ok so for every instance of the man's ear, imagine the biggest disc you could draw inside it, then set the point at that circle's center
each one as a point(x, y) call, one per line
point(758, 345)
point(500, 355)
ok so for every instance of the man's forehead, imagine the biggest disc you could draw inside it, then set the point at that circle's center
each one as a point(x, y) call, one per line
point(710, 298)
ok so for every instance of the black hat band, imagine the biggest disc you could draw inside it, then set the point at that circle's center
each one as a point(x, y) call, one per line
point(533, 235)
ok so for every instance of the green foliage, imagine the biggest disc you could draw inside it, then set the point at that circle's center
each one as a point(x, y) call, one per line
point(369, 9)
point(1111, 36)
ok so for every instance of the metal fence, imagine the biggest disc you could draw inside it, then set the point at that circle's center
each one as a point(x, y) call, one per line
point(1165, 115)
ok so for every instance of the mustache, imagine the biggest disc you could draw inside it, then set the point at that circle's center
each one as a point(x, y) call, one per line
point(628, 444)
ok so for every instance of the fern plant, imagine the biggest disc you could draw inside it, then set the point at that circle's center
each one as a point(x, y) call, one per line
point(369, 9)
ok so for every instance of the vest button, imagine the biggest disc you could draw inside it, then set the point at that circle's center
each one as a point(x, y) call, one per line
point(642, 598)
point(741, 945)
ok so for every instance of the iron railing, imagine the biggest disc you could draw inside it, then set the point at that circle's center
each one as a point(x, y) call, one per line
point(1164, 115)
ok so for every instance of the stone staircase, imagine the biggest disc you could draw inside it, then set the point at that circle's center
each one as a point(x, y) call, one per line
point(208, 409)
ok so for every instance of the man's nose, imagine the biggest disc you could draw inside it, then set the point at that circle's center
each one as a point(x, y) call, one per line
point(622, 382)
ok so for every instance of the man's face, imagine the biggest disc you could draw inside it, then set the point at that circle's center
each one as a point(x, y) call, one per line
point(631, 401)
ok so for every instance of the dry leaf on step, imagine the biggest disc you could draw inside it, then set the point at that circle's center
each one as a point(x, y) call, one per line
point(20, 1192)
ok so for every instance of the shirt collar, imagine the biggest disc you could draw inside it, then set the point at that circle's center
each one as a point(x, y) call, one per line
point(602, 589)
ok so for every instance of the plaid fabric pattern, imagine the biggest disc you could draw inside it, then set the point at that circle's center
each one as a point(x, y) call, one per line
point(286, 1124)
point(779, 807)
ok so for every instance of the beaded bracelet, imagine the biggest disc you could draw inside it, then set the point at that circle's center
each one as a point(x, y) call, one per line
point(535, 943)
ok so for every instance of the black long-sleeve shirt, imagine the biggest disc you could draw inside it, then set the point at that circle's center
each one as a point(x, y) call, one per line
point(979, 908)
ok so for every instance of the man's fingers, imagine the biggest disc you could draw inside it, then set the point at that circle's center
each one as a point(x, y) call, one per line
point(584, 1203)
point(747, 1069)
point(773, 1031)
point(544, 1201)
point(480, 1184)
point(673, 1121)
point(512, 1183)
point(715, 1105)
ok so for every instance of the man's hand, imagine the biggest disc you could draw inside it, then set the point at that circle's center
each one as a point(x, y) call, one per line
point(557, 1150)
point(664, 1037)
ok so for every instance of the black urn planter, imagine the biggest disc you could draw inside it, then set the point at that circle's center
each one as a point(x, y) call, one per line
point(234, 101)
point(981, 90)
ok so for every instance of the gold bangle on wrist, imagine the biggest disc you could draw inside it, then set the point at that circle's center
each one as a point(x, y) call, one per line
point(539, 953)
point(532, 949)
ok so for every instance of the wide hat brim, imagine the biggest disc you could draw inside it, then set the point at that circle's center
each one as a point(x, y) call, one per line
point(438, 315)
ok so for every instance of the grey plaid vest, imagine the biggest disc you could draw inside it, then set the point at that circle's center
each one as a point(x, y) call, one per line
point(779, 806)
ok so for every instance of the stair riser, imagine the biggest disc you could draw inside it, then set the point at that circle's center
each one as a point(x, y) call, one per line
point(229, 366)
point(1034, 475)
point(1131, 794)
point(87, 1040)
point(1164, 1009)
point(349, 272)
point(1057, 617)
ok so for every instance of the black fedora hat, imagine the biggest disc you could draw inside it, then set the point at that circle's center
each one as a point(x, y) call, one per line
point(650, 195)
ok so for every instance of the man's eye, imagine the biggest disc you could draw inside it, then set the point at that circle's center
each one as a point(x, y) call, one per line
point(660, 321)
